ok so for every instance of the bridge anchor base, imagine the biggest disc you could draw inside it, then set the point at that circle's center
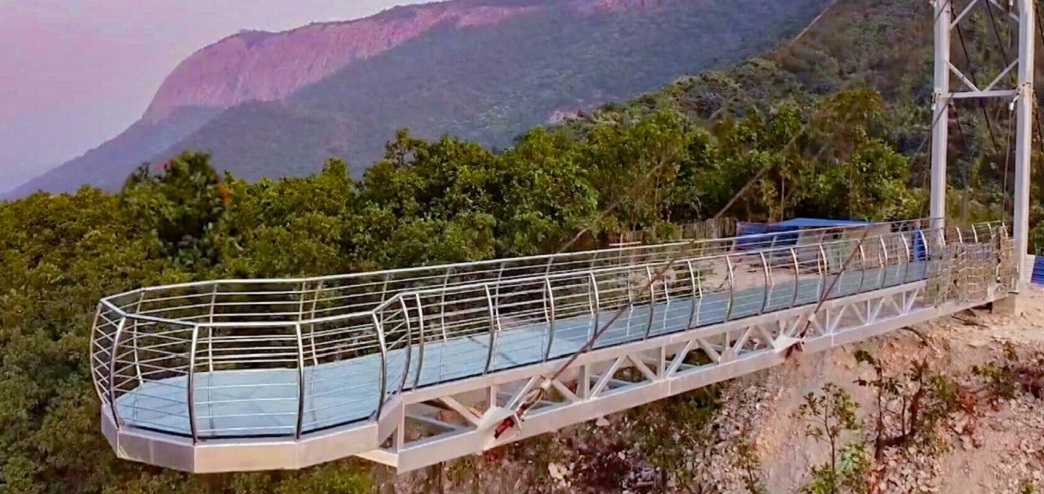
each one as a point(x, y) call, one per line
point(1012, 305)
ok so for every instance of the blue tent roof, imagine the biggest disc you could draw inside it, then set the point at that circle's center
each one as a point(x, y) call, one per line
point(818, 223)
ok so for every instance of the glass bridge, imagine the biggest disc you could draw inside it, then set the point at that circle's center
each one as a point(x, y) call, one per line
point(415, 366)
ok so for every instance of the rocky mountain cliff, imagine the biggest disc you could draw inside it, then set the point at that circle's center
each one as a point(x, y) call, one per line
point(261, 66)
point(273, 104)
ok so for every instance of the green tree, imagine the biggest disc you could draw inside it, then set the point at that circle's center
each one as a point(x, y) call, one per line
point(180, 206)
point(830, 417)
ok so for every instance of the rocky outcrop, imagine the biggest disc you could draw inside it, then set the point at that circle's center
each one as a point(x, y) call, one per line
point(263, 66)
point(268, 66)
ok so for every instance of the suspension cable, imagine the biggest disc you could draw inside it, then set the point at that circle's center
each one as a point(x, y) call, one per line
point(1007, 158)
point(974, 79)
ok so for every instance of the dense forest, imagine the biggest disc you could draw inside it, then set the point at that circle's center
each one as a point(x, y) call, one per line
point(825, 138)
point(425, 202)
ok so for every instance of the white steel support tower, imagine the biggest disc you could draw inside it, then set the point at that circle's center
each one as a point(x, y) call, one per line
point(949, 14)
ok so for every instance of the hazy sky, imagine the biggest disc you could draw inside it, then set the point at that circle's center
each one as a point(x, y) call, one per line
point(74, 73)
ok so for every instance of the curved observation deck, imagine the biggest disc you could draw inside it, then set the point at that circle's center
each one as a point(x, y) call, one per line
point(259, 374)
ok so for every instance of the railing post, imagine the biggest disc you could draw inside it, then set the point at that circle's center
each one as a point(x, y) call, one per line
point(492, 328)
point(649, 278)
point(210, 329)
point(652, 303)
point(311, 327)
point(191, 385)
point(927, 255)
point(697, 297)
point(442, 303)
point(862, 267)
point(420, 340)
point(732, 287)
point(379, 328)
point(300, 383)
point(797, 281)
point(551, 317)
point(594, 302)
point(134, 337)
point(824, 269)
point(768, 282)
point(909, 258)
point(884, 264)
point(112, 372)
point(409, 344)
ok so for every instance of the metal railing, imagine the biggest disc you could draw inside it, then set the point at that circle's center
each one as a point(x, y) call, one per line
point(283, 358)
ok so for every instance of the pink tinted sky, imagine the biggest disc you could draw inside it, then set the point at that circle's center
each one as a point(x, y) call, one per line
point(74, 73)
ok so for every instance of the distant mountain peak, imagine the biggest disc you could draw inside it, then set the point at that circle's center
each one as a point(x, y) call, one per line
point(264, 66)
point(271, 104)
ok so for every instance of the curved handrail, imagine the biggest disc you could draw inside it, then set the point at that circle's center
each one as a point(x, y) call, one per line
point(589, 255)
point(399, 302)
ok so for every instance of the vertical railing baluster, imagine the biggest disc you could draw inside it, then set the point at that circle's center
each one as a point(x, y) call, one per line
point(797, 281)
point(442, 304)
point(113, 362)
point(379, 328)
point(301, 392)
point(824, 269)
point(409, 344)
point(210, 329)
point(906, 247)
point(652, 302)
point(210, 355)
point(862, 267)
point(884, 265)
point(594, 302)
point(768, 282)
point(732, 287)
point(492, 328)
point(551, 318)
point(421, 340)
point(927, 256)
point(191, 385)
point(311, 326)
point(695, 296)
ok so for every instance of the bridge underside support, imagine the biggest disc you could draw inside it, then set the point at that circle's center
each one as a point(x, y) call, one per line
point(444, 422)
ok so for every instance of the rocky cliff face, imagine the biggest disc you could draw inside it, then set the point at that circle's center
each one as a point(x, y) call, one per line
point(268, 66)
point(262, 66)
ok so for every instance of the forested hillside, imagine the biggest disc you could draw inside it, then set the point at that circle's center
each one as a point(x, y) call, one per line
point(834, 132)
point(426, 202)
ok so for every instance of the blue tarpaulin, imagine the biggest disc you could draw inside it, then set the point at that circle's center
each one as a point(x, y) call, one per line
point(752, 236)
point(818, 223)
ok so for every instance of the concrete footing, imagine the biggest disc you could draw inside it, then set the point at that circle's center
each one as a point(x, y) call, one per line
point(1009, 306)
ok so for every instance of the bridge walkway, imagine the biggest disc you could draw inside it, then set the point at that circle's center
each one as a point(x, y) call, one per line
point(224, 376)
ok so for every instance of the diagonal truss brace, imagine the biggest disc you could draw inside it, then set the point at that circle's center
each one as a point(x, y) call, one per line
point(613, 379)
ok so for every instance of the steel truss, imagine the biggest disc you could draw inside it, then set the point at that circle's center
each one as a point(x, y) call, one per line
point(448, 421)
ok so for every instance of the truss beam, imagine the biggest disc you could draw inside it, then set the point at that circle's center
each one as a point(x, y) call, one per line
point(615, 379)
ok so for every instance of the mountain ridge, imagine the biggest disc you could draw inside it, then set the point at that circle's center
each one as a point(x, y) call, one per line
point(316, 50)
point(545, 57)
